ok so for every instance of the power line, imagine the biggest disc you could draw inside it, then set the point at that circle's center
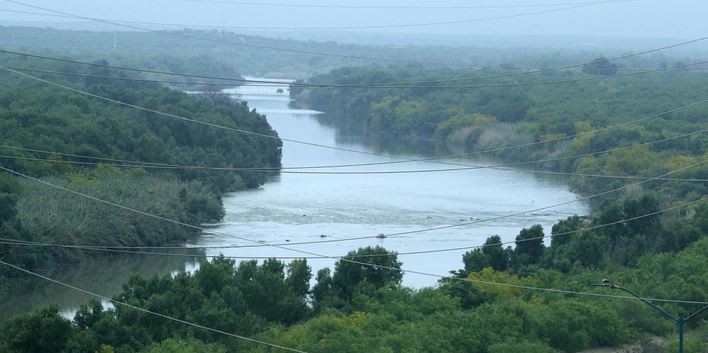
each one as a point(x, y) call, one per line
point(396, 7)
point(316, 144)
point(286, 171)
point(387, 85)
point(129, 249)
point(242, 44)
point(477, 281)
point(130, 209)
point(174, 116)
point(267, 83)
point(295, 170)
point(343, 239)
point(130, 306)
point(303, 51)
point(312, 28)
point(137, 79)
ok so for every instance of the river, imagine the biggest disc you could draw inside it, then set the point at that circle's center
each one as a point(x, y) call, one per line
point(293, 208)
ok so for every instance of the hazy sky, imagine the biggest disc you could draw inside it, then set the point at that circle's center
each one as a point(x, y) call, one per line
point(638, 18)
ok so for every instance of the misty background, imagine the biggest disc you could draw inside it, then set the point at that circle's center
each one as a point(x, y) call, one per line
point(631, 24)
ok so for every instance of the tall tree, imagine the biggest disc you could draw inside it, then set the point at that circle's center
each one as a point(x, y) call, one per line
point(497, 256)
point(529, 245)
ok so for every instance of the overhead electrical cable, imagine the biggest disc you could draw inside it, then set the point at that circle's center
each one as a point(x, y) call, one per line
point(294, 170)
point(242, 44)
point(130, 250)
point(392, 7)
point(550, 290)
point(154, 313)
point(225, 27)
point(178, 117)
point(491, 283)
point(504, 75)
point(258, 243)
point(308, 51)
point(331, 28)
point(388, 235)
point(286, 171)
point(146, 80)
point(266, 83)
point(174, 116)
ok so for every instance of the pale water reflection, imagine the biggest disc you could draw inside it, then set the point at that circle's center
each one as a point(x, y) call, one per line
point(306, 207)
point(293, 208)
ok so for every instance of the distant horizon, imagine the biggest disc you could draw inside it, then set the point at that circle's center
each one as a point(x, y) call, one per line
point(567, 41)
point(646, 19)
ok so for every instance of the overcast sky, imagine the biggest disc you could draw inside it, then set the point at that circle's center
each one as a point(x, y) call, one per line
point(637, 18)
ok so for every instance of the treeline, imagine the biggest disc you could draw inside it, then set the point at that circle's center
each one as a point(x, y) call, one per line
point(361, 306)
point(493, 118)
point(357, 308)
point(38, 116)
point(222, 51)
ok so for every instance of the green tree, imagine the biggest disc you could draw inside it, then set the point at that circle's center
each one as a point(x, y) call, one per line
point(365, 272)
point(497, 256)
point(299, 275)
point(529, 245)
point(600, 66)
point(184, 346)
point(473, 261)
point(41, 332)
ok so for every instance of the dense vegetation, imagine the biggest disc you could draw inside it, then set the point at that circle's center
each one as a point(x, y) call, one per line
point(480, 119)
point(352, 307)
point(365, 309)
point(222, 52)
point(34, 115)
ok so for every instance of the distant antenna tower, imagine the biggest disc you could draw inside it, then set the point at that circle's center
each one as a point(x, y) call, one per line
point(115, 40)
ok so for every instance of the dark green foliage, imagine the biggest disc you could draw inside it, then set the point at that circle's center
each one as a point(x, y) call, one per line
point(8, 202)
point(299, 275)
point(37, 116)
point(492, 254)
point(57, 120)
point(8, 198)
point(351, 277)
point(529, 246)
point(353, 280)
point(258, 300)
point(474, 261)
point(184, 346)
point(485, 118)
point(498, 256)
point(40, 332)
point(600, 66)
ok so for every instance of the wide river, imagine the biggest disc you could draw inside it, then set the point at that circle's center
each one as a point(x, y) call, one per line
point(292, 208)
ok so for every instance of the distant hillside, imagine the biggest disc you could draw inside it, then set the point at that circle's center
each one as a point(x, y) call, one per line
point(226, 53)
point(37, 116)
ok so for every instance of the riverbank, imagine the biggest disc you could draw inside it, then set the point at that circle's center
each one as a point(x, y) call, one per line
point(584, 126)
point(332, 208)
point(58, 142)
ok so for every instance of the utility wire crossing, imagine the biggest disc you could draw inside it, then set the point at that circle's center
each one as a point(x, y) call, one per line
point(295, 170)
point(308, 52)
point(266, 83)
point(129, 249)
point(305, 252)
point(178, 117)
point(154, 313)
point(437, 84)
point(329, 28)
point(392, 7)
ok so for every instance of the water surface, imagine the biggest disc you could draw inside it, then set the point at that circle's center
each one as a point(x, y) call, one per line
point(304, 207)
point(294, 208)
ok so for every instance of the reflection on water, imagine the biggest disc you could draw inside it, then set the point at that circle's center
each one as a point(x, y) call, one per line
point(301, 207)
point(105, 276)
